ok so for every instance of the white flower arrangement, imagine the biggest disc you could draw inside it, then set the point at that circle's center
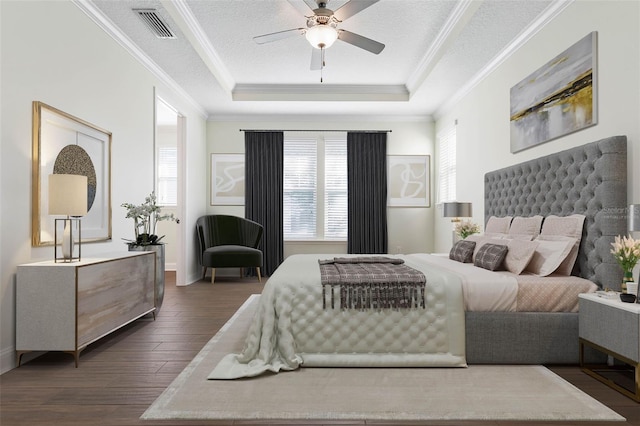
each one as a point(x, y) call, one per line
point(626, 251)
point(145, 217)
point(465, 228)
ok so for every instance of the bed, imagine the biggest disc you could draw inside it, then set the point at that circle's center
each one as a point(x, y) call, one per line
point(299, 323)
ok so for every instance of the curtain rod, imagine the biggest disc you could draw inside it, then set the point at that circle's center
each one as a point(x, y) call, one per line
point(322, 130)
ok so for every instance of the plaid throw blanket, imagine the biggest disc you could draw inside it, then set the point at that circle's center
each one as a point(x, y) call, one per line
point(374, 282)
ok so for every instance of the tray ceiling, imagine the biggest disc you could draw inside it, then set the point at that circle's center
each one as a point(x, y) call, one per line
point(435, 51)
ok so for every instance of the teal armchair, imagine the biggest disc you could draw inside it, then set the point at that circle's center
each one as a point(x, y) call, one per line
point(229, 242)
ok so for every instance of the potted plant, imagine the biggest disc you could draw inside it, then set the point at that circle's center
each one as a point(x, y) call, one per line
point(145, 219)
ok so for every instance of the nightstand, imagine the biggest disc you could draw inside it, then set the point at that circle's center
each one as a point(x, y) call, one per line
point(612, 327)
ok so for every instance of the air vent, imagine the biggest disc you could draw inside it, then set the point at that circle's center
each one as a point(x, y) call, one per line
point(155, 23)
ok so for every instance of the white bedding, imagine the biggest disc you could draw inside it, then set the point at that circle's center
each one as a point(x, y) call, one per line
point(483, 290)
point(291, 327)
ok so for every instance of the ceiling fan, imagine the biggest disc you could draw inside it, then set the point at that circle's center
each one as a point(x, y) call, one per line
point(322, 29)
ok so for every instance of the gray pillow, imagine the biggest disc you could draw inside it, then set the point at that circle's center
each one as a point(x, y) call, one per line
point(462, 251)
point(490, 256)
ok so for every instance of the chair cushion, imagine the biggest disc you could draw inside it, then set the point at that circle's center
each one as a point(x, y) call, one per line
point(231, 256)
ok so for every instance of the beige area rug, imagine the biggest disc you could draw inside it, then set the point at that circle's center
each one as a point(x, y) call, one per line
point(474, 393)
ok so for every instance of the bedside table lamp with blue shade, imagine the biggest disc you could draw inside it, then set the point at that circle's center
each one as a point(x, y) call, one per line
point(67, 196)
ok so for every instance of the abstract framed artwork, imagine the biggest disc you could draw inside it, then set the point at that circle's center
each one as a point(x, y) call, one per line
point(227, 179)
point(66, 144)
point(408, 178)
point(557, 99)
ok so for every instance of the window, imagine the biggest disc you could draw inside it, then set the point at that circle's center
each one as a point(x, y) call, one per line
point(166, 154)
point(167, 176)
point(447, 165)
point(315, 187)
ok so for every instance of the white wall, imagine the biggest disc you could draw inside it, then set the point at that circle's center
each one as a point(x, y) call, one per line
point(409, 228)
point(483, 115)
point(52, 52)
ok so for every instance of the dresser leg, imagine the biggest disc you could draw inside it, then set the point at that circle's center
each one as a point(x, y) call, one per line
point(19, 355)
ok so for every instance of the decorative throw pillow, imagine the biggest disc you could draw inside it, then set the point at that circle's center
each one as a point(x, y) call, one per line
point(549, 255)
point(526, 225)
point(498, 224)
point(490, 256)
point(462, 251)
point(481, 240)
point(519, 254)
point(567, 226)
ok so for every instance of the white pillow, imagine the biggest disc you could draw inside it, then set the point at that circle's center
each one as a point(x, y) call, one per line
point(526, 225)
point(519, 255)
point(549, 255)
point(568, 226)
point(518, 237)
point(498, 224)
point(497, 235)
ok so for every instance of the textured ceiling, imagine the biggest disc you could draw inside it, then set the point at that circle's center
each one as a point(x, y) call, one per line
point(435, 49)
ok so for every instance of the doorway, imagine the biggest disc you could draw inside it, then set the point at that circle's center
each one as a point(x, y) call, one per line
point(168, 182)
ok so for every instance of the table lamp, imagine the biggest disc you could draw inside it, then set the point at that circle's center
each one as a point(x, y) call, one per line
point(633, 218)
point(456, 210)
point(67, 196)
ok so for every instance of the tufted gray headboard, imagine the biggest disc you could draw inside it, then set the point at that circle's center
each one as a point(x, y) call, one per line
point(590, 179)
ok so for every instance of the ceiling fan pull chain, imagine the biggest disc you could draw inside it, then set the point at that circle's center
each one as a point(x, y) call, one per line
point(322, 60)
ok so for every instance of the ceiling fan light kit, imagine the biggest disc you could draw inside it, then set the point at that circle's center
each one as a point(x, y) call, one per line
point(321, 36)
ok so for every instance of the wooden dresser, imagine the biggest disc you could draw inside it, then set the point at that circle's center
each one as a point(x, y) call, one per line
point(67, 306)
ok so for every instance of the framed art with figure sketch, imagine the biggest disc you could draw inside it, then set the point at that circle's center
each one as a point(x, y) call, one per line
point(408, 178)
point(227, 179)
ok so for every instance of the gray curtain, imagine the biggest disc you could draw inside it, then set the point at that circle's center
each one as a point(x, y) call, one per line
point(264, 161)
point(367, 199)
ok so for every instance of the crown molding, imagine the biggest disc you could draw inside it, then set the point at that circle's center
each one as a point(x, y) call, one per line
point(549, 14)
point(313, 118)
point(184, 18)
point(112, 30)
point(457, 20)
point(315, 92)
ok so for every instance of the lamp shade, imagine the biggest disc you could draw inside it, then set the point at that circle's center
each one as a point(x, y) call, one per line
point(633, 219)
point(321, 36)
point(455, 209)
point(67, 195)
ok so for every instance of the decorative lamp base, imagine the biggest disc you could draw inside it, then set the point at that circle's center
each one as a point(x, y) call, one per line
point(68, 227)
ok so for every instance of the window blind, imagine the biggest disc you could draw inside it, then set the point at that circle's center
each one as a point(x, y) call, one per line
point(447, 164)
point(335, 199)
point(300, 192)
point(167, 191)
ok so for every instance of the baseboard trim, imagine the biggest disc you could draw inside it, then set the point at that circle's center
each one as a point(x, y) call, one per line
point(7, 359)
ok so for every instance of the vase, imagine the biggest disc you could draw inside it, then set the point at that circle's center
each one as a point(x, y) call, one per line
point(159, 250)
point(627, 278)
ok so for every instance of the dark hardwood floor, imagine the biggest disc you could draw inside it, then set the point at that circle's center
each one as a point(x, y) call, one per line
point(122, 374)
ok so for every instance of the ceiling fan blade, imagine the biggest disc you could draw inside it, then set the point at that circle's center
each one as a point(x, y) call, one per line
point(352, 7)
point(313, 4)
point(304, 6)
point(316, 59)
point(267, 38)
point(360, 41)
